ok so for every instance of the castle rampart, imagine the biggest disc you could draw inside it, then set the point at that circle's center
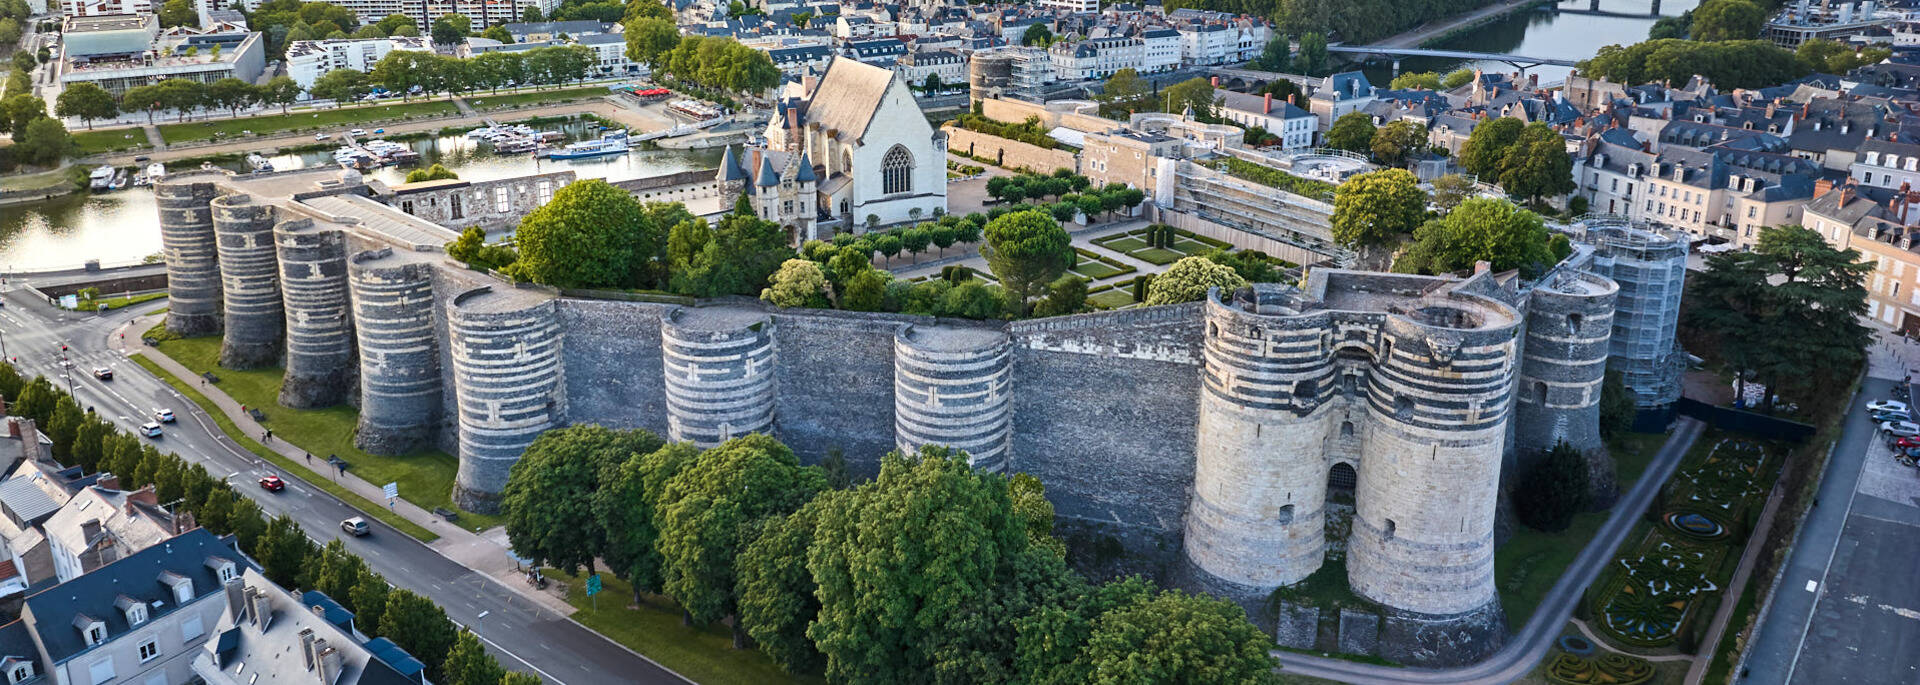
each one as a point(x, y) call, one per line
point(719, 365)
point(313, 286)
point(250, 282)
point(951, 387)
point(400, 377)
point(192, 254)
point(509, 377)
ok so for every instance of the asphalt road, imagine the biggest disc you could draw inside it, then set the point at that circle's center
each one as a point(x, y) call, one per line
point(524, 635)
point(1847, 609)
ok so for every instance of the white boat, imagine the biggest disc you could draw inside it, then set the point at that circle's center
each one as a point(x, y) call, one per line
point(156, 172)
point(120, 179)
point(516, 145)
point(608, 144)
point(258, 164)
point(481, 132)
point(101, 178)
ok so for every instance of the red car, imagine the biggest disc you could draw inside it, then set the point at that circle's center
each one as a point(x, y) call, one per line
point(272, 484)
point(1906, 442)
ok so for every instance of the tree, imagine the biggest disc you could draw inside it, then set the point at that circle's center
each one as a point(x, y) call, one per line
point(1399, 142)
point(548, 500)
point(497, 32)
point(432, 173)
point(1552, 489)
point(798, 283)
point(932, 83)
point(520, 678)
point(708, 513)
point(86, 101)
point(590, 235)
point(1727, 64)
point(178, 13)
point(1617, 406)
point(370, 594)
point(232, 93)
point(471, 248)
point(531, 13)
point(910, 567)
point(1352, 132)
point(915, 240)
point(1313, 57)
point(340, 85)
point(183, 96)
point(1537, 164)
point(650, 39)
point(468, 663)
point(1175, 637)
point(283, 551)
point(866, 291)
point(1189, 279)
point(44, 143)
point(1480, 229)
point(420, 627)
point(282, 91)
point(1416, 80)
point(1066, 295)
point(625, 506)
point(18, 110)
point(888, 245)
point(1377, 209)
point(1450, 190)
point(1025, 250)
point(450, 29)
point(1037, 34)
point(777, 591)
point(1195, 93)
point(1486, 148)
point(1123, 89)
point(1277, 55)
point(735, 257)
point(1834, 57)
point(1457, 78)
point(1717, 20)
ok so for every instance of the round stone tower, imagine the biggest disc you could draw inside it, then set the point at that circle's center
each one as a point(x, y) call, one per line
point(1569, 331)
point(193, 260)
point(719, 373)
point(950, 387)
point(250, 282)
point(509, 381)
point(1438, 404)
point(400, 390)
point(1256, 517)
point(313, 286)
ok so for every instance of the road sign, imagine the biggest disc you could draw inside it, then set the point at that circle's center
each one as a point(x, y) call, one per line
point(70, 301)
point(392, 490)
point(593, 585)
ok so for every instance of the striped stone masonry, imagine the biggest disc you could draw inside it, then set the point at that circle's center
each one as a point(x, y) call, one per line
point(250, 282)
point(951, 387)
point(400, 387)
point(719, 373)
point(1569, 337)
point(313, 286)
point(193, 259)
point(509, 384)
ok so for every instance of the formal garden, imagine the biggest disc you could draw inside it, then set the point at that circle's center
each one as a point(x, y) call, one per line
point(1662, 590)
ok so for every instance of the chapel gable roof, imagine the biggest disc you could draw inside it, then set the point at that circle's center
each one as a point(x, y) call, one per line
point(848, 96)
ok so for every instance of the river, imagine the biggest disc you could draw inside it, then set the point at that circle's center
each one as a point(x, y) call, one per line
point(1541, 33)
point(120, 227)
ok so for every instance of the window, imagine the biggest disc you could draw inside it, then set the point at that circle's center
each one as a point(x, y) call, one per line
point(500, 202)
point(1752, 211)
point(149, 650)
point(183, 591)
point(191, 628)
point(896, 171)
point(136, 614)
point(101, 671)
point(96, 634)
point(20, 672)
point(1388, 534)
point(1286, 515)
point(453, 202)
point(546, 191)
point(407, 206)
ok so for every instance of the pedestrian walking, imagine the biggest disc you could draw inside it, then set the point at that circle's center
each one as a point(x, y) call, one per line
point(309, 457)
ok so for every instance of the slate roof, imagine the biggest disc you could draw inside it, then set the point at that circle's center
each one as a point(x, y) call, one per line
point(846, 98)
point(25, 500)
point(248, 655)
point(50, 613)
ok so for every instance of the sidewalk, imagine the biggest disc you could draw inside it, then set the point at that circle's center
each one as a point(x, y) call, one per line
point(485, 552)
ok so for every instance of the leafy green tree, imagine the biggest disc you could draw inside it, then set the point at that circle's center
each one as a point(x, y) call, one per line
point(18, 110)
point(735, 257)
point(450, 29)
point(1834, 57)
point(1352, 132)
point(420, 627)
point(497, 32)
point(1537, 164)
point(1313, 57)
point(1485, 151)
point(1416, 80)
point(36, 400)
point(709, 511)
point(283, 551)
point(10, 382)
point(626, 508)
point(909, 567)
point(370, 594)
point(915, 240)
point(888, 245)
point(777, 599)
point(650, 39)
point(1399, 142)
point(339, 570)
point(1196, 93)
point(64, 427)
point(1123, 89)
point(1066, 295)
point(87, 101)
point(1377, 209)
point(178, 13)
point(1457, 78)
point(468, 663)
point(1480, 229)
point(1050, 642)
point(1617, 406)
point(1178, 638)
point(1552, 489)
point(548, 500)
point(1037, 34)
point(232, 94)
point(519, 678)
point(866, 291)
point(1025, 250)
point(340, 85)
point(798, 283)
point(1189, 279)
point(282, 91)
point(590, 235)
point(1450, 190)
point(44, 142)
point(932, 83)
point(1277, 55)
point(1727, 64)
point(471, 248)
point(432, 173)
point(1717, 20)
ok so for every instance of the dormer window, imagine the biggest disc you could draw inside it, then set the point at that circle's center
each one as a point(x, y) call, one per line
point(222, 568)
point(20, 672)
point(93, 631)
point(135, 610)
point(1893, 161)
point(181, 586)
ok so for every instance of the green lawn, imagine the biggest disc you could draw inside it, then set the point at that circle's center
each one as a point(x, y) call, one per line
point(117, 302)
point(1156, 255)
point(425, 479)
point(112, 140)
point(233, 433)
point(1094, 270)
point(328, 119)
point(1123, 244)
point(1111, 299)
point(45, 180)
point(704, 654)
point(482, 101)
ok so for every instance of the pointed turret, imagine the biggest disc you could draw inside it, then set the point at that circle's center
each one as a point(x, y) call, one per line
point(805, 175)
point(767, 177)
point(730, 167)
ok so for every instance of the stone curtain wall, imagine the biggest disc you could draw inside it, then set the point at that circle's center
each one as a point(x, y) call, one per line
point(1054, 116)
point(834, 380)
point(1018, 155)
point(614, 364)
point(477, 203)
point(1241, 239)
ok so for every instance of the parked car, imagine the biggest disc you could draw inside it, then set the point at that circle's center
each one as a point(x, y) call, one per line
point(150, 429)
point(163, 415)
point(319, 136)
point(103, 373)
point(1900, 428)
point(272, 484)
point(357, 132)
point(1910, 441)
point(1888, 416)
point(356, 527)
point(1887, 405)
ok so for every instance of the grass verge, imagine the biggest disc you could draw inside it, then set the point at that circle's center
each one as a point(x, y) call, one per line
point(118, 302)
point(110, 140)
point(540, 97)
point(233, 432)
point(703, 653)
point(224, 129)
point(426, 479)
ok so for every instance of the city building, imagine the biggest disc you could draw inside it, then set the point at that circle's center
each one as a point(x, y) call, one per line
point(794, 61)
point(880, 52)
point(1884, 226)
point(610, 54)
point(1094, 58)
point(1830, 20)
point(543, 31)
point(1072, 5)
point(1125, 156)
point(99, 8)
point(1159, 50)
point(1650, 267)
point(308, 60)
point(1294, 127)
point(949, 66)
point(100, 525)
point(120, 52)
point(1886, 164)
point(1339, 95)
point(266, 634)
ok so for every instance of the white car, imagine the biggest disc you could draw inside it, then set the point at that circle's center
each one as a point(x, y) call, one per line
point(357, 132)
point(163, 415)
point(150, 429)
point(319, 136)
point(1900, 428)
point(1887, 405)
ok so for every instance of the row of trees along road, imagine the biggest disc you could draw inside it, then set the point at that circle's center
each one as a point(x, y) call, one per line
point(653, 37)
point(286, 554)
point(929, 572)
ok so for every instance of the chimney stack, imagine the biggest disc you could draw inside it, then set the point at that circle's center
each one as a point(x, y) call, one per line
point(1215, 82)
point(1266, 105)
point(89, 529)
point(1482, 266)
point(331, 662)
point(236, 600)
point(306, 647)
point(1846, 194)
point(1822, 187)
point(145, 495)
